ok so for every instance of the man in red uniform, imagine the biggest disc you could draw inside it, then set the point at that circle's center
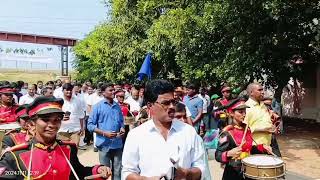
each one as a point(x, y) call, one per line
point(120, 95)
point(45, 157)
point(231, 149)
point(7, 107)
point(125, 109)
point(220, 115)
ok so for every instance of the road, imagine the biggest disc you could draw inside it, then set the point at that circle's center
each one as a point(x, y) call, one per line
point(90, 158)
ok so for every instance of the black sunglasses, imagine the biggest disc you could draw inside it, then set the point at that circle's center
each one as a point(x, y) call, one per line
point(168, 102)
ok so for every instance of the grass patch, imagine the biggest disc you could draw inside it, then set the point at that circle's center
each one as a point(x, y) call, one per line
point(28, 76)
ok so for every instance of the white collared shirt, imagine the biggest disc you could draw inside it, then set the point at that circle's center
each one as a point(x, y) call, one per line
point(27, 99)
point(134, 104)
point(206, 103)
point(148, 154)
point(58, 93)
point(94, 99)
point(76, 108)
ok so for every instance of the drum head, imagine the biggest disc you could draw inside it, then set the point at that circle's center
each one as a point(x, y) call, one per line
point(262, 160)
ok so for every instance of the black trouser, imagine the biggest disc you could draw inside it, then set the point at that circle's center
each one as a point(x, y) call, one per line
point(127, 129)
point(88, 137)
point(274, 145)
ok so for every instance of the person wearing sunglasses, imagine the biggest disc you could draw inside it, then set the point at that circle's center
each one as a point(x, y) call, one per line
point(125, 109)
point(155, 147)
point(7, 106)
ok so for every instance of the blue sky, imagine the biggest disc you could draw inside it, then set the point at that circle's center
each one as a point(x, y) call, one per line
point(64, 18)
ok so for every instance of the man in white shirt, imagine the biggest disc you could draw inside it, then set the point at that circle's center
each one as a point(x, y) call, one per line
point(30, 96)
point(40, 86)
point(133, 101)
point(58, 93)
point(88, 135)
point(151, 149)
point(206, 103)
point(94, 99)
point(71, 129)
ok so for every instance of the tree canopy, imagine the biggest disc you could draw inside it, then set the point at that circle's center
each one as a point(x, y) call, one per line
point(203, 40)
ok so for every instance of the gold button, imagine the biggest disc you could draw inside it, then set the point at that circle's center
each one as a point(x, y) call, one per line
point(54, 171)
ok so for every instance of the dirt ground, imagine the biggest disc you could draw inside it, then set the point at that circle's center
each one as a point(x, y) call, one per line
point(300, 147)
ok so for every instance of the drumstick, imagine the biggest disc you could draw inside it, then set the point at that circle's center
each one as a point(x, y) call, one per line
point(273, 154)
point(266, 149)
point(96, 176)
point(244, 134)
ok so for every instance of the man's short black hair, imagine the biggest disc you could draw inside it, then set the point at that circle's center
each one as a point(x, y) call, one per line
point(104, 86)
point(14, 84)
point(180, 107)
point(193, 86)
point(67, 86)
point(20, 84)
point(50, 82)
point(155, 88)
point(45, 90)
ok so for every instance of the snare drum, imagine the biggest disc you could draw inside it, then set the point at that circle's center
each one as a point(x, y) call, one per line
point(4, 128)
point(263, 167)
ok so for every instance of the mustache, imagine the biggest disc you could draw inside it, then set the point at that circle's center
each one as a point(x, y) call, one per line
point(171, 110)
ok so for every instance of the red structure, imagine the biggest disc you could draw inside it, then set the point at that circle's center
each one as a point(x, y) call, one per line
point(40, 39)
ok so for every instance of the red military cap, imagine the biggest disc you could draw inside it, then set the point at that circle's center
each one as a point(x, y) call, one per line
point(45, 105)
point(7, 89)
point(236, 104)
point(21, 111)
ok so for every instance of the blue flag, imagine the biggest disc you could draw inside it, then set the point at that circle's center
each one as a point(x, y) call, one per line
point(145, 69)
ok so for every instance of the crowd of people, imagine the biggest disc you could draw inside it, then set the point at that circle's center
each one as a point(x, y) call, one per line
point(146, 131)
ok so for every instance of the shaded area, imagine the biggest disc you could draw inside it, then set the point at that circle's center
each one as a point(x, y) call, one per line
point(300, 146)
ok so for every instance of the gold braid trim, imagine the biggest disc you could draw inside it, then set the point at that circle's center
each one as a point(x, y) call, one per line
point(25, 176)
point(17, 162)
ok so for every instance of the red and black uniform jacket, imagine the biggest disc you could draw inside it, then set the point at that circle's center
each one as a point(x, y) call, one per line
point(15, 137)
point(230, 138)
point(46, 163)
point(7, 114)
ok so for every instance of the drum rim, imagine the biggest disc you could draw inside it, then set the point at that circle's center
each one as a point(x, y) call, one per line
point(254, 165)
point(250, 176)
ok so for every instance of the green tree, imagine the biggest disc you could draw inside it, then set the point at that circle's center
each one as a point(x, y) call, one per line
point(206, 41)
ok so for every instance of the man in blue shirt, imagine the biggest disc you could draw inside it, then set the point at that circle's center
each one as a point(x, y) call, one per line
point(195, 105)
point(106, 121)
